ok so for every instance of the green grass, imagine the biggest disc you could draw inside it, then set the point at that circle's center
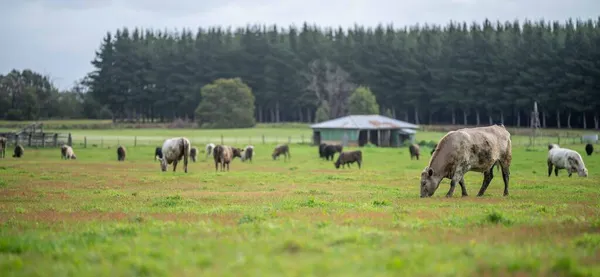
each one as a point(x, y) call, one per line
point(95, 216)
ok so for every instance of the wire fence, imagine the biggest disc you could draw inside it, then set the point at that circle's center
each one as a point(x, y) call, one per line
point(110, 141)
point(113, 141)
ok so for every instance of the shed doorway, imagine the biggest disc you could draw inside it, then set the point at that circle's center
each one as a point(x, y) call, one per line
point(317, 137)
point(363, 138)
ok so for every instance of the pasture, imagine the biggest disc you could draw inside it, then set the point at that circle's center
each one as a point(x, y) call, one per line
point(95, 216)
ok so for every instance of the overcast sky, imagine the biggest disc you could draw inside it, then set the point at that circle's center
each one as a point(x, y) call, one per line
point(59, 37)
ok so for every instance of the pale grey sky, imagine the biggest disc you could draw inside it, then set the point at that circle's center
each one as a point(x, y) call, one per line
point(59, 37)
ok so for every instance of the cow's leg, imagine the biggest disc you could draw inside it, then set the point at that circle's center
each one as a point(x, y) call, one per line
point(417, 157)
point(556, 171)
point(462, 187)
point(358, 162)
point(569, 171)
point(452, 186)
point(549, 168)
point(505, 177)
point(487, 179)
point(175, 165)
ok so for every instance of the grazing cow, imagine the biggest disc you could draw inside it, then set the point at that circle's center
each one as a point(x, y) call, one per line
point(194, 153)
point(19, 151)
point(63, 151)
point(468, 149)
point(173, 150)
point(158, 152)
point(68, 152)
point(210, 148)
point(2, 147)
point(248, 153)
point(433, 149)
point(589, 149)
point(414, 150)
point(348, 158)
point(563, 158)
point(281, 149)
point(121, 153)
point(330, 150)
point(322, 150)
point(224, 154)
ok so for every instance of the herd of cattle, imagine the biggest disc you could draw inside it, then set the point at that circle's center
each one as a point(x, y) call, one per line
point(476, 149)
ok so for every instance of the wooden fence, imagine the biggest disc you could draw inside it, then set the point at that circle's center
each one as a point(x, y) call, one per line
point(36, 139)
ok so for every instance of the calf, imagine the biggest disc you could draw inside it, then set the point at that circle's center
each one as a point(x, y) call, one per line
point(19, 151)
point(3, 147)
point(589, 149)
point(468, 149)
point(224, 154)
point(69, 153)
point(563, 158)
point(248, 153)
point(414, 150)
point(158, 152)
point(193, 153)
point(348, 158)
point(330, 150)
point(121, 153)
point(209, 150)
point(173, 151)
point(281, 149)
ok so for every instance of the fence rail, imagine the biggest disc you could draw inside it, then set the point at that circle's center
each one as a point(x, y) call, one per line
point(113, 141)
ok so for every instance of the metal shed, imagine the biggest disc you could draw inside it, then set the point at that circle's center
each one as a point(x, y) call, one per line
point(358, 130)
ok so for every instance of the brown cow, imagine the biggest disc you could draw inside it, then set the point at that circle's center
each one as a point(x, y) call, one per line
point(469, 149)
point(281, 149)
point(348, 158)
point(414, 150)
point(19, 151)
point(224, 154)
point(3, 147)
point(121, 153)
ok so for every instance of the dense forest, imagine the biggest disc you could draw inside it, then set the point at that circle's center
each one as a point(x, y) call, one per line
point(460, 73)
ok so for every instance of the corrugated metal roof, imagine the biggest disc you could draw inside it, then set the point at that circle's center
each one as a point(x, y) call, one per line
point(364, 122)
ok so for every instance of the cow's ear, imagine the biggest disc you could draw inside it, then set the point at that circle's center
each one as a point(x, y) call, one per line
point(430, 172)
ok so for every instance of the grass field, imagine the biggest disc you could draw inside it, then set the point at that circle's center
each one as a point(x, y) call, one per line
point(95, 216)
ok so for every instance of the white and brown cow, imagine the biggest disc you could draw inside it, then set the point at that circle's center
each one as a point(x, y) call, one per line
point(173, 150)
point(224, 154)
point(468, 149)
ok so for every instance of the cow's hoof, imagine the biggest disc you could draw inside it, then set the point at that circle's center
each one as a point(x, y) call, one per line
point(448, 195)
point(465, 195)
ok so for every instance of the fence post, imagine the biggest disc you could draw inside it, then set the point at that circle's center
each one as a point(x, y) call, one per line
point(70, 140)
point(84, 142)
point(55, 140)
point(43, 140)
point(29, 140)
point(263, 139)
point(135, 141)
point(222, 140)
point(16, 140)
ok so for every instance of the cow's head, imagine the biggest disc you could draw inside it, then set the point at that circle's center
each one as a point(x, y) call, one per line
point(163, 164)
point(576, 165)
point(429, 182)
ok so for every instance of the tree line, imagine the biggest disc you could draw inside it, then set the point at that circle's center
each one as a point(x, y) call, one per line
point(459, 73)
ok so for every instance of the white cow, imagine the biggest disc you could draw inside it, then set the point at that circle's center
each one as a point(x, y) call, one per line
point(173, 150)
point(563, 158)
point(68, 152)
point(248, 153)
point(209, 150)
